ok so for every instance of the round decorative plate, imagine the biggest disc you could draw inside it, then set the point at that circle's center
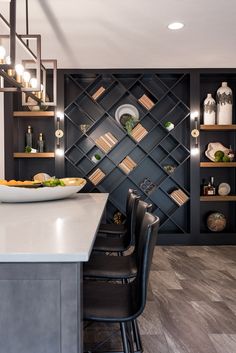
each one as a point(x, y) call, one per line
point(216, 222)
point(224, 189)
point(124, 112)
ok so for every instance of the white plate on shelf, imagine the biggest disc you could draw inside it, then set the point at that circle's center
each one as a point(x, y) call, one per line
point(21, 194)
point(126, 109)
point(224, 189)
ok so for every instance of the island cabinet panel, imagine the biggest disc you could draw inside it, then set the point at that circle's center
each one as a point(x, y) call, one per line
point(39, 308)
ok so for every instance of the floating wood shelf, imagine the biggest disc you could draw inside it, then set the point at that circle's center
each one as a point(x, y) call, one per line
point(34, 155)
point(218, 198)
point(218, 127)
point(217, 164)
point(33, 114)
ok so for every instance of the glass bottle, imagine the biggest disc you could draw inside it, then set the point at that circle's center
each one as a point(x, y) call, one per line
point(29, 137)
point(40, 143)
point(210, 189)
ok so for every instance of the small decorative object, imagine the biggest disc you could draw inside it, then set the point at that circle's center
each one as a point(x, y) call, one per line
point(106, 142)
point(210, 189)
point(224, 189)
point(169, 126)
point(224, 105)
point(29, 149)
point(169, 169)
point(42, 177)
point(127, 165)
point(40, 143)
point(216, 151)
point(231, 154)
point(37, 106)
point(84, 128)
point(216, 222)
point(118, 218)
point(96, 158)
point(146, 102)
point(129, 123)
point(147, 186)
point(179, 197)
point(209, 110)
point(138, 133)
point(98, 93)
point(126, 111)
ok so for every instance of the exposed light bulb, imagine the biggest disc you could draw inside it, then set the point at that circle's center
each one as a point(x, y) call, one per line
point(19, 72)
point(59, 152)
point(33, 82)
point(8, 60)
point(175, 26)
point(2, 54)
point(19, 69)
point(26, 78)
point(10, 72)
point(195, 151)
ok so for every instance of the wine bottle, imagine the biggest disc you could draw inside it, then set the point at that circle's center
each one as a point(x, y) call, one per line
point(40, 143)
point(29, 137)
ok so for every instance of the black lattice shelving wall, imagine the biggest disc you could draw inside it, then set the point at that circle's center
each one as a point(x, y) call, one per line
point(169, 94)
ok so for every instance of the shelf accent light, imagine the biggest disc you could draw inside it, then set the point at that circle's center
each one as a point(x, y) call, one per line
point(18, 76)
point(195, 134)
point(59, 133)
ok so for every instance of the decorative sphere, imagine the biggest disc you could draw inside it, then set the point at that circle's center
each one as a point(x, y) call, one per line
point(216, 222)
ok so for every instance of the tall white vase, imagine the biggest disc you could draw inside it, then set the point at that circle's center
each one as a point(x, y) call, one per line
point(224, 105)
point(209, 110)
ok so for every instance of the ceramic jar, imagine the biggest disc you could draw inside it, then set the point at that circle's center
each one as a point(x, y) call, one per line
point(209, 110)
point(224, 105)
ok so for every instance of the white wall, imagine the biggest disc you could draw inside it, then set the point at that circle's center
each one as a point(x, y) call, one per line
point(2, 172)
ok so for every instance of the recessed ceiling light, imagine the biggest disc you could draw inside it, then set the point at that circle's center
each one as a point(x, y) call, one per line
point(175, 25)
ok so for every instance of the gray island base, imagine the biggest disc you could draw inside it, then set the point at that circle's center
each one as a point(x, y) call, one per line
point(42, 248)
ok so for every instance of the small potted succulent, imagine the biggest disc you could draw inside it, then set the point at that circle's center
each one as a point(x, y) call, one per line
point(169, 126)
point(130, 124)
point(96, 158)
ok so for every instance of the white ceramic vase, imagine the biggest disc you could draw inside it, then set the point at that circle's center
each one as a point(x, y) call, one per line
point(209, 110)
point(224, 105)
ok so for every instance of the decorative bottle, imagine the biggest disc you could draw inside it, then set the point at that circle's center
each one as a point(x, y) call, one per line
point(40, 143)
point(210, 189)
point(29, 137)
point(209, 108)
point(224, 105)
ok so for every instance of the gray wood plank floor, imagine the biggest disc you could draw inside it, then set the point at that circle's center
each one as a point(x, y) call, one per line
point(191, 306)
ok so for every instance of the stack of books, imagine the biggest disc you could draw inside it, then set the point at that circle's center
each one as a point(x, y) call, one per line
point(138, 132)
point(98, 93)
point(179, 197)
point(106, 142)
point(146, 102)
point(96, 176)
point(127, 165)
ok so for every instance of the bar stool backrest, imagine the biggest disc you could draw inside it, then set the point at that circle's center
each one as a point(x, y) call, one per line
point(147, 242)
point(131, 212)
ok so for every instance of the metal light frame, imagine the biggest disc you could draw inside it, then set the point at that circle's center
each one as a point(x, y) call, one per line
point(15, 86)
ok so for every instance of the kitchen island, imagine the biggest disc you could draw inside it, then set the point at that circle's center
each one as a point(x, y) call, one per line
point(42, 248)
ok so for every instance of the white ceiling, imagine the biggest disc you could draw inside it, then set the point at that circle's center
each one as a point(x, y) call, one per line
point(133, 33)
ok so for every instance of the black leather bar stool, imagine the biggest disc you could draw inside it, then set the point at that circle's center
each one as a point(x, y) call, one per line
point(117, 229)
point(123, 303)
point(120, 244)
point(101, 266)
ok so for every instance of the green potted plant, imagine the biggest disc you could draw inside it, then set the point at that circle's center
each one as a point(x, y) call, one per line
point(96, 158)
point(169, 125)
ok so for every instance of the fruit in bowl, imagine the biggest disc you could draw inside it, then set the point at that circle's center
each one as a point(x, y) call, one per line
point(73, 181)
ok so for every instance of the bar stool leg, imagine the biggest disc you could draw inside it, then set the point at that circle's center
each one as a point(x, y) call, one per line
point(137, 338)
point(124, 337)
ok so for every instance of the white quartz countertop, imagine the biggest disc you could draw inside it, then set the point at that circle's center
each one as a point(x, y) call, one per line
point(52, 231)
